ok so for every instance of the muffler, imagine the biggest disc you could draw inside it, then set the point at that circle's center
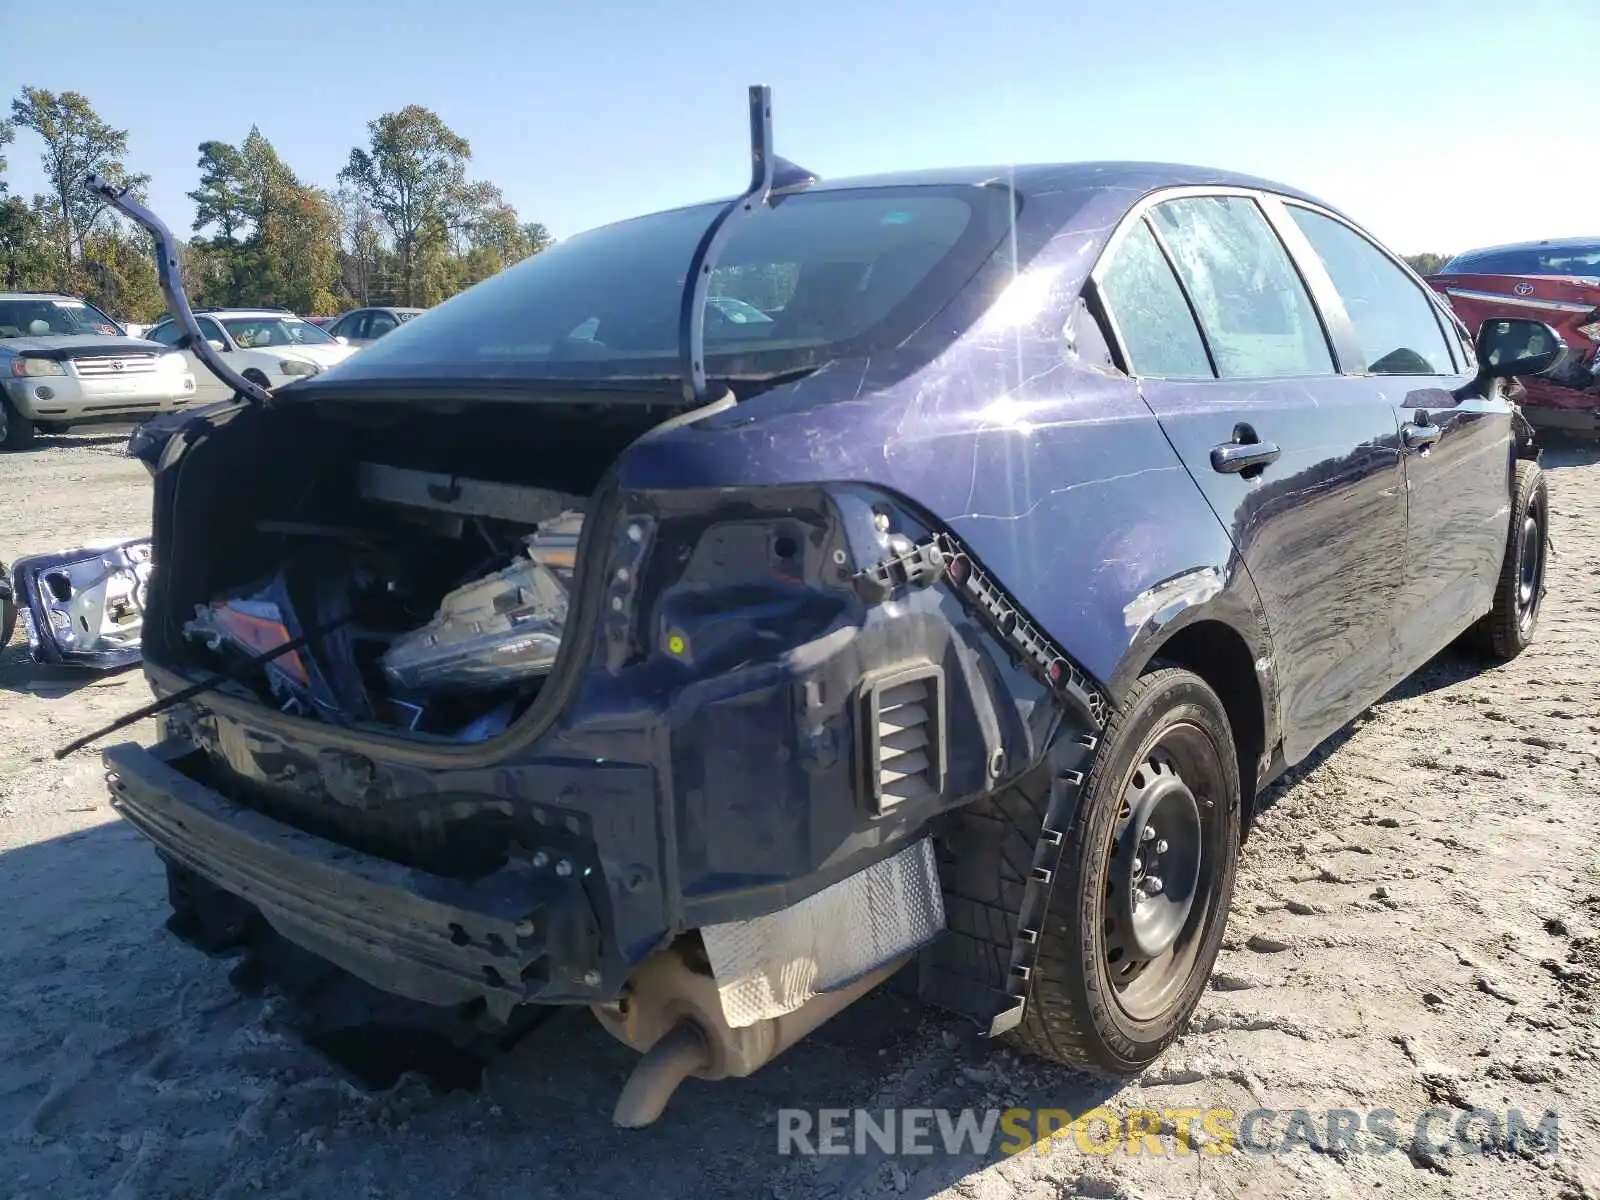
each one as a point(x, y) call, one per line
point(673, 1013)
point(729, 998)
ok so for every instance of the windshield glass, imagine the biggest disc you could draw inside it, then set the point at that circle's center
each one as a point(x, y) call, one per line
point(823, 275)
point(53, 318)
point(1530, 260)
point(252, 333)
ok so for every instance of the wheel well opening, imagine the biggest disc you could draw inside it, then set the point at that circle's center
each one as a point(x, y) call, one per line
point(1220, 656)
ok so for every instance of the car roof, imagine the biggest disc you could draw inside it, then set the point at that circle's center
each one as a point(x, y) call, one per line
point(1134, 177)
point(1036, 176)
point(1569, 243)
point(243, 312)
point(36, 296)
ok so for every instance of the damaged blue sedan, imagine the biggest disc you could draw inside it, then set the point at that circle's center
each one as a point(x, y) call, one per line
point(730, 609)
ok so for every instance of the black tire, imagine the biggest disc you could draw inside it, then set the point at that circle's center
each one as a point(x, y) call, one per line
point(1079, 1012)
point(1512, 623)
point(8, 619)
point(16, 431)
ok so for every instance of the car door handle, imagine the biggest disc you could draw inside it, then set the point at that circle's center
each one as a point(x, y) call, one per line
point(1231, 458)
point(1420, 437)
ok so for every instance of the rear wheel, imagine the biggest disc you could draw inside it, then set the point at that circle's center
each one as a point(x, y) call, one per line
point(1141, 892)
point(1509, 628)
point(16, 431)
point(1139, 906)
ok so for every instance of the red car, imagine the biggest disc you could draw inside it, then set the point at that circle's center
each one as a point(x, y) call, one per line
point(1557, 282)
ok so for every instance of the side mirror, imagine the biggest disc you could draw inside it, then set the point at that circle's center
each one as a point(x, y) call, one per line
point(342, 340)
point(1509, 347)
point(216, 345)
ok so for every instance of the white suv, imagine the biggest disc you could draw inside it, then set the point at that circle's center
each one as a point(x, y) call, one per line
point(267, 346)
point(63, 362)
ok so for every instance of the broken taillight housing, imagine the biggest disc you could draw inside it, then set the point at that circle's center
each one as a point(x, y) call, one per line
point(498, 630)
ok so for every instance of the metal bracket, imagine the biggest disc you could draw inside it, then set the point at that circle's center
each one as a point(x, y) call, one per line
point(767, 172)
point(170, 275)
point(941, 556)
point(1065, 784)
point(914, 565)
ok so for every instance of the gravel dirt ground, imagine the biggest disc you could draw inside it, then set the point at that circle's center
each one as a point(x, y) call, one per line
point(1417, 924)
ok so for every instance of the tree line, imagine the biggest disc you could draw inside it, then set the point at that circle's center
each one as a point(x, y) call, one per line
point(1427, 264)
point(403, 225)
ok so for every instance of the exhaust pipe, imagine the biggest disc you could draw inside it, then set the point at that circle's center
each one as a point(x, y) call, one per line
point(673, 1013)
point(681, 1053)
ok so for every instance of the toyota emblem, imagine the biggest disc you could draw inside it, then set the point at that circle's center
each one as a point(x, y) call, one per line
point(1523, 289)
point(116, 366)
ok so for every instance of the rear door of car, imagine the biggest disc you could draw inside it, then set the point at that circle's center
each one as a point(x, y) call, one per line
point(1299, 462)
point(1457, 434)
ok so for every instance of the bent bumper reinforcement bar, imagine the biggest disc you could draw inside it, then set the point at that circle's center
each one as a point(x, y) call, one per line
point(515, 936)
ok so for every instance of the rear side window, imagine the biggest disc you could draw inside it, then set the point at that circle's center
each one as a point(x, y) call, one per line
point(1257, 316)
point(1142, 295)
point(1394, 321)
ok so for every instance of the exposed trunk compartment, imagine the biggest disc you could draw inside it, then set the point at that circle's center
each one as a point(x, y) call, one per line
point(431, 556)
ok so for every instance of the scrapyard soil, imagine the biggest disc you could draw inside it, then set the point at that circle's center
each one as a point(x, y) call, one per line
point(1417, 925)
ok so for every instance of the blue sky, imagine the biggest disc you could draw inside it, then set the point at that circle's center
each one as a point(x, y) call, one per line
point(1414, 115)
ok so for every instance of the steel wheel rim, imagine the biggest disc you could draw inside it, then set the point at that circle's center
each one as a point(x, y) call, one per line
point(1530, 574)
point(1149, 947)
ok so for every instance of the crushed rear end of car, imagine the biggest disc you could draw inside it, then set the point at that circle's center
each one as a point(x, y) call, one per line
point(492, 692)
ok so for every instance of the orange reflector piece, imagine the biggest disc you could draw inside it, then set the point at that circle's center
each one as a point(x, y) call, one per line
point(262, 635)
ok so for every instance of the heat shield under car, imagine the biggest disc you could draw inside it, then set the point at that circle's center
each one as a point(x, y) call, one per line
point(85, 607)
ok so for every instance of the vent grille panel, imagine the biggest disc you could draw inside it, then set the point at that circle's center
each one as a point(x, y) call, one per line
point(905, 720)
